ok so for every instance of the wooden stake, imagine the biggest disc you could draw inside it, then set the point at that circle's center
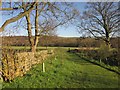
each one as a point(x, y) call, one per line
point(43, 67)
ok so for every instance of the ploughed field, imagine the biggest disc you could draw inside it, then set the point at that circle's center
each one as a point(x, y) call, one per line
point(65, 70)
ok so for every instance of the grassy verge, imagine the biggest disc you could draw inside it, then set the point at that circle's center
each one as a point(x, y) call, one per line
point(39, 47)
point(111, 68)
point(66, 70)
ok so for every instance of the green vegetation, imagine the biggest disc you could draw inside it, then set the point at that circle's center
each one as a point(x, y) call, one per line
point(66, 70)
point(40, 48)
point(102, 64)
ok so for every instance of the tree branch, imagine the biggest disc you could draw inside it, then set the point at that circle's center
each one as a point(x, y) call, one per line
point(14, 8)
point(16, 17)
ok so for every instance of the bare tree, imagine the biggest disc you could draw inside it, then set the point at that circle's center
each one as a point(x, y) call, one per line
point(49, 16)
point(101, 20)
point(62, 13)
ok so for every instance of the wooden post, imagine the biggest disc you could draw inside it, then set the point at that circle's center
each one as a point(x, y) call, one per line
point(100, 60)
point(43, 67)
point(1, 81)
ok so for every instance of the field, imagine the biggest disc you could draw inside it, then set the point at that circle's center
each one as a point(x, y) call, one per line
point(65, 70)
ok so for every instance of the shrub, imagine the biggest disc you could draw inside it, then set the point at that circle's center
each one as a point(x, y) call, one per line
point(104, 52)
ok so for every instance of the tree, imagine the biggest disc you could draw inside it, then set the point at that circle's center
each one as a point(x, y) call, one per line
point(51, 15)
point(101, 20)
point(47, 29)
point(62, 13)
point(19, 16)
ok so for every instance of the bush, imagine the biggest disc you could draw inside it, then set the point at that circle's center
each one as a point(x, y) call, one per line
point(104, 55)
point(104, 52)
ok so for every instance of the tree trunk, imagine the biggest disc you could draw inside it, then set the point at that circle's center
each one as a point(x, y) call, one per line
point(36, 27)
point(30, 37)
point(107, 36)
point(108, 42)
point(33, 41)
point(107, 30)
point(32, 48)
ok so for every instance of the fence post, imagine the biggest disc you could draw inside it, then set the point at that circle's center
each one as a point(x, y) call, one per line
point(43, 67)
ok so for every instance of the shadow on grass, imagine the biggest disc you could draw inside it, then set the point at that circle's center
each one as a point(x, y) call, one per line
point(87, 60)
point(72, 57)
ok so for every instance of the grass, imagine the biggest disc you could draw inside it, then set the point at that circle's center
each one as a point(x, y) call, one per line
point(39, 47)
point(66, 70)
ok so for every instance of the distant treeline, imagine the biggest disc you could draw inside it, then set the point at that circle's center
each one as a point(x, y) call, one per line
point(57, 41)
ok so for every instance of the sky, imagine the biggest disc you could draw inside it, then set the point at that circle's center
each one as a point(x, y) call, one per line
point(71, 30)
point(68, 31)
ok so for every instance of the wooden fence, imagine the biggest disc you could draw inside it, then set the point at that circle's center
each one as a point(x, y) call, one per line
point(17, 64)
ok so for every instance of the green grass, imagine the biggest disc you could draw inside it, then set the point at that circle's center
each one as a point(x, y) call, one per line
point(39, 47)
point(66, 70)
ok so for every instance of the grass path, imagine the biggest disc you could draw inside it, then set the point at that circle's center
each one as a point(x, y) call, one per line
point(66, 70)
